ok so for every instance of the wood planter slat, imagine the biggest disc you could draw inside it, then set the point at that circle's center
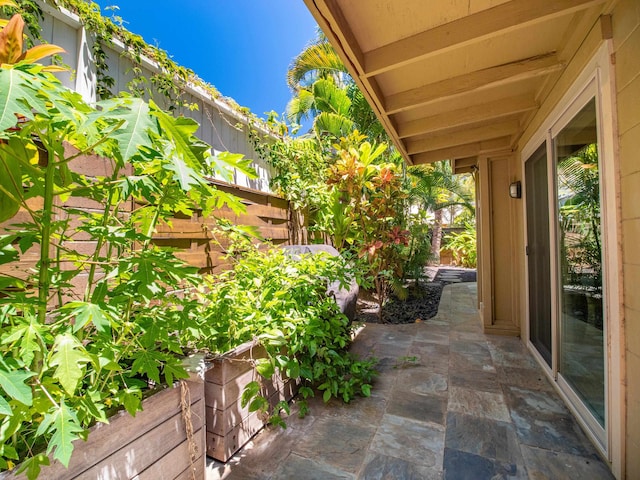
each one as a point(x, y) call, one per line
point(229, 425)
point(151, 445)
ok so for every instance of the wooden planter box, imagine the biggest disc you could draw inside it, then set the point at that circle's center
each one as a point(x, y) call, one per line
point(229, 425)
point(151, 445)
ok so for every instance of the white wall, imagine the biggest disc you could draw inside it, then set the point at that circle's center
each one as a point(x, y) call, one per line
point(218, 121)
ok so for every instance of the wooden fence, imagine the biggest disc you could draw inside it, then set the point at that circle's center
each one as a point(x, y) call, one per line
point(192, 236)
point(195, 236)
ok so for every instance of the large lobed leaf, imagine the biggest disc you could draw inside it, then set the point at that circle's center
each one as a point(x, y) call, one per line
point(12, 382)
point(134, 133)
point(70, 358)
point(27, 336)
point(64, 426)
point(18, 96)
point(85, 313)
point(10, 185)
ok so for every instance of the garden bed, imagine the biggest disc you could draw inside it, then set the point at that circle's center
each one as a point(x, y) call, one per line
point(422, 302)
point(153, 444)
point(229, 424)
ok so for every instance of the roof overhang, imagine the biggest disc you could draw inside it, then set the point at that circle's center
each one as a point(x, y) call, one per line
point(454, 80)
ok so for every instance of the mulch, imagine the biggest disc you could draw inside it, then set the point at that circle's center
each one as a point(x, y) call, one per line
point(422, 301)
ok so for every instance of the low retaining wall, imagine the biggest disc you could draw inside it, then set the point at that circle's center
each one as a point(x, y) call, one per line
point(229, 425)
point(153, 444)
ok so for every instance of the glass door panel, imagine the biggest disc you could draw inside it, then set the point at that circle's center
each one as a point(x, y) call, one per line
point(538, 252)
point(581, 309)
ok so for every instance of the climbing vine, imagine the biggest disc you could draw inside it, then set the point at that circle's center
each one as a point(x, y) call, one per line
point(170, 80)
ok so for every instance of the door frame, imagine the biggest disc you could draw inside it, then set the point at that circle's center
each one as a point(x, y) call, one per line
point(596, 80)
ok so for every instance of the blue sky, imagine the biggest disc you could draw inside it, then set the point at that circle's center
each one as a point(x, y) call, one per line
point(242, 47)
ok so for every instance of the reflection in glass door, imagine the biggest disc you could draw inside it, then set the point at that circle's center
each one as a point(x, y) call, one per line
point(581, 309)
point(538, 252)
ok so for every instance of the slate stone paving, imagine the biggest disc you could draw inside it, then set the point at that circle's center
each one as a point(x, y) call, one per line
point(450, 403)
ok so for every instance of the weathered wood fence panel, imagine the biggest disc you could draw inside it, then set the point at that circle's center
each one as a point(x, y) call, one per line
point(196, 239)
point(193, 237)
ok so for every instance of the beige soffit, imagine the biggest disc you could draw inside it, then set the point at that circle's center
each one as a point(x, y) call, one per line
point(454, 80)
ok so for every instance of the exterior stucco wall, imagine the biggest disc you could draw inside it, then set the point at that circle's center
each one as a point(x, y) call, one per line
point(626, 42)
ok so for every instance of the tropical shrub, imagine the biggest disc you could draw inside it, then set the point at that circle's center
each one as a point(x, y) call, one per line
point(282, 302)
point(365, 214)
point(417, 253)
point(463, 246)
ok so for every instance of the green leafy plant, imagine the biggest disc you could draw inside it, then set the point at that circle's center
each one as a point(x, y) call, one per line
point(300, 176)
point(417, 253)
point(366, 212)
point(282, 303)
point(95, 320)
point(463, 246)
point(579, 214)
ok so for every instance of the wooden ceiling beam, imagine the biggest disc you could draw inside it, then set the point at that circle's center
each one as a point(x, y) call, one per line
point(461, 137)
point(471, 28)
point(478, 80)
point(333, 23)
point(350, 44)
point(462, 151)
point(465, 116)
point(581, 23)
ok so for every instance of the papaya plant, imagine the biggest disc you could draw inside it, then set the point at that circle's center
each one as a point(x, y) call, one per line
point(96, 319)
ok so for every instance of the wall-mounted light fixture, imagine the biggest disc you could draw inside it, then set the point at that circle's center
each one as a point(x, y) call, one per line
point(515, 190)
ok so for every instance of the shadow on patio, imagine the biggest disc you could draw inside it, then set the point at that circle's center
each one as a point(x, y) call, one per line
point(450, 402)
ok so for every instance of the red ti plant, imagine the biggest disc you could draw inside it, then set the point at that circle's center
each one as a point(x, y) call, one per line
point(368, 210)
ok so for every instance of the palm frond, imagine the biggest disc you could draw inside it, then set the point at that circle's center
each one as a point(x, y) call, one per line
point(319, 60)
point(364, 116)
point(338, 125)
point(301, 107)
point(435, 187)
point(330, 98)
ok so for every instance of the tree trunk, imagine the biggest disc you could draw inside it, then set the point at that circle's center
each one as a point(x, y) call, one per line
point(436, 237)
point(297, 227)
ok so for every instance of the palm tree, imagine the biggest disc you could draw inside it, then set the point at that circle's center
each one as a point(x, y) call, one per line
point(317, 60)
point(325, 102)
point(433, 187)
point(323, 90)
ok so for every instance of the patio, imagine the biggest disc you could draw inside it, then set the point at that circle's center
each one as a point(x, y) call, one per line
point(450, 402)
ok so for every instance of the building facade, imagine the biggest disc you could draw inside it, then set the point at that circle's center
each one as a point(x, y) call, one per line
point(542, 100)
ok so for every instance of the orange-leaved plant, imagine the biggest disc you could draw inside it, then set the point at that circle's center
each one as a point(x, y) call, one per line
point(12, 43)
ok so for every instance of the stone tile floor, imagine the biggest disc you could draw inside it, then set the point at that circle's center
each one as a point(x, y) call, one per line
point(449, 403)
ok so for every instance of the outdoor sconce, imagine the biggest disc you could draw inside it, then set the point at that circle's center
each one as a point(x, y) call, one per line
point(515, 190)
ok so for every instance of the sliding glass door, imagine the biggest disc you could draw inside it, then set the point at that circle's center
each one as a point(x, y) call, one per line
point(567, 298)
point(581, 312)
point(538, 251)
